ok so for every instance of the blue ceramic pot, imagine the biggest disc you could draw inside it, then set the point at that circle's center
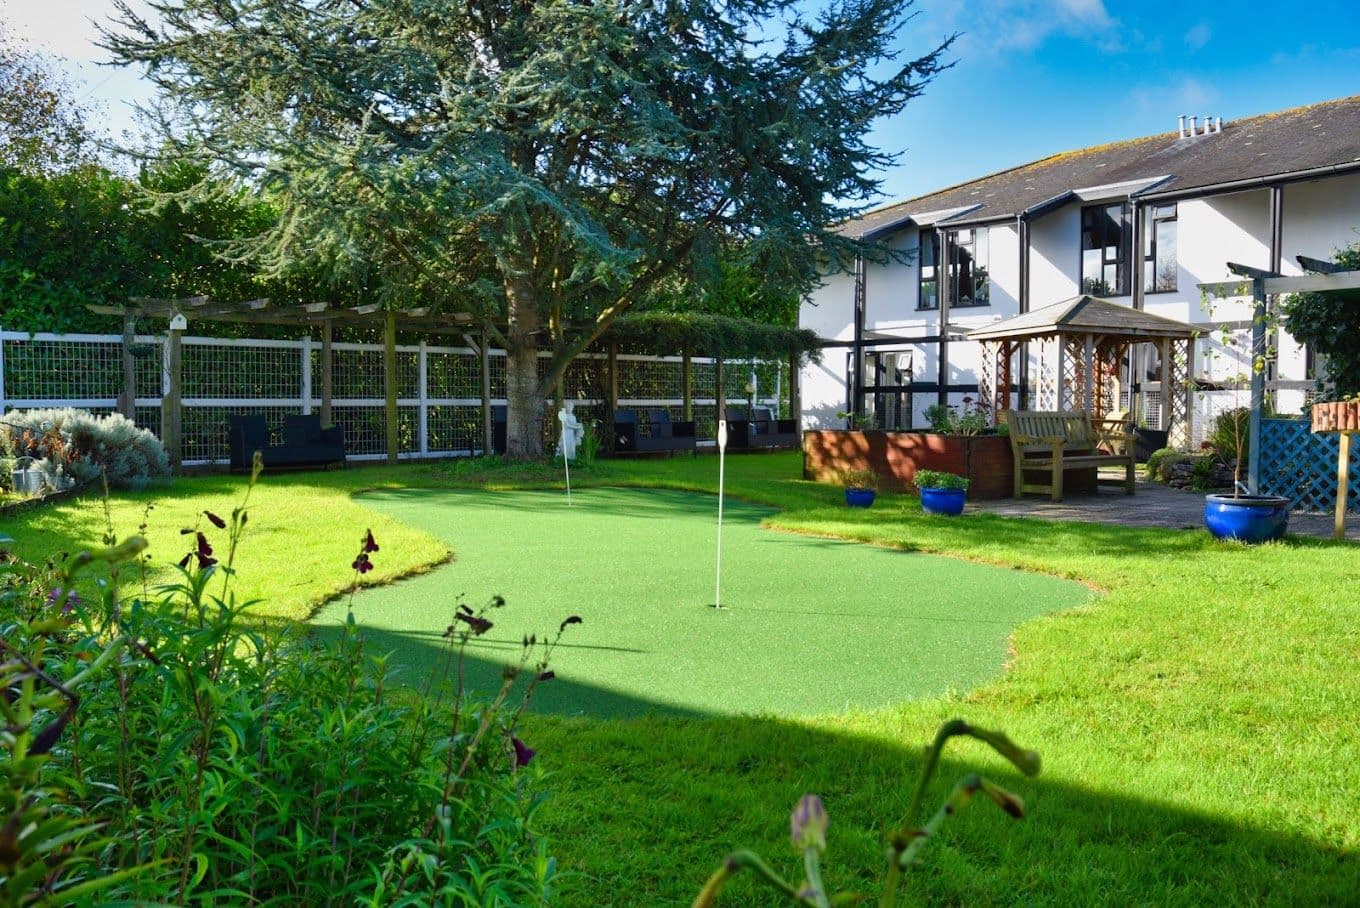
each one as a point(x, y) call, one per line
point(1248, 518)
point(943, 501)
point(859, 498)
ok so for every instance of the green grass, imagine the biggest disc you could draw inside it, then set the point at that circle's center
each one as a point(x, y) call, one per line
point(1198, 720)
point(832, 625)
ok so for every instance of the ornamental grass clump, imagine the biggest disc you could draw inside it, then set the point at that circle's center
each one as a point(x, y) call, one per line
point(809, 823)
point(196, 758)
point(938, 479)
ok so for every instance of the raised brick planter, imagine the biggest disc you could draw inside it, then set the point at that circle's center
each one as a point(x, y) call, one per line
point(896, 456)
point(1337, 416)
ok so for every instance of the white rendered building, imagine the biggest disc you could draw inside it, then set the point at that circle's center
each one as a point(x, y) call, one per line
point(1141, 222)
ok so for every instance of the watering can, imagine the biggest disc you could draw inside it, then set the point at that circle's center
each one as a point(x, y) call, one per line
point(26, 480)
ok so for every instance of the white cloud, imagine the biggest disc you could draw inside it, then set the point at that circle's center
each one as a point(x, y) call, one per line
point(1023, 25)
point(1198, 35)
point(1182, 96)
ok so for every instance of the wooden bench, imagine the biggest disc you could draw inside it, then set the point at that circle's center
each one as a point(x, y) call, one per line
point(1056, 442)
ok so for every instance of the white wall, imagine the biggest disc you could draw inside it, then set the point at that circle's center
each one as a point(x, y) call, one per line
point(829, 311)
point(1055, 257)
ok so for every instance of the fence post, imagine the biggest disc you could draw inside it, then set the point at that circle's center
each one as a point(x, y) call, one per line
point(687, 380)
point(127, 401)
point(2, 370)
point(424, 418)
point(306, 352)
point(795, 396)
point(488, 433)
point(391, 412)
point(171, 414)
point(327, 373)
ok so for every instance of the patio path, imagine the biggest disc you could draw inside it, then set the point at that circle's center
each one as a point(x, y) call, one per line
point(1152, 505)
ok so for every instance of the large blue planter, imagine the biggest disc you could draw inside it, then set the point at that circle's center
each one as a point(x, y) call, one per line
point(859, 498)
point(1247, 518)
point(948, 502)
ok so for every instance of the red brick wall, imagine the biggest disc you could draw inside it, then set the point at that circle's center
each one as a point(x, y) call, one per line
point(896, 456)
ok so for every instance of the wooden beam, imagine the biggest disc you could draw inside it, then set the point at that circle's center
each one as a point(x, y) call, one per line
point(390, 384)
point(686, 385)
point(313, 308)
point(1251, 272)
point(1319, 266)
point(1313, 283)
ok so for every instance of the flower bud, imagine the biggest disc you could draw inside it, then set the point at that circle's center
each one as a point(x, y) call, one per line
point(807, 824)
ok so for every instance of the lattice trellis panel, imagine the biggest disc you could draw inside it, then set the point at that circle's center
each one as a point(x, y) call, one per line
point(1074, 374)
point(988, 371)
point(1176, 398)
point(1045, 373)
point(1301, 466)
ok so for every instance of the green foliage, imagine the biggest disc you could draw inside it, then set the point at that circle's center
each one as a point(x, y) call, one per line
point(593, 152)
point(858, 479)
point(1156, 460)
point(74, 447)
point(90, 237)
point(42, 126)
point(938, 479)
point(227, 763)
point(970, 420)
point(706, 334)
point(809, 822)
point(1329, 323)
point(1230, 436)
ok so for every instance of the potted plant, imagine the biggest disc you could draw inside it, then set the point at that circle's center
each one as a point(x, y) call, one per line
point(861, 487)
point(1248, 518)
point(942, 493)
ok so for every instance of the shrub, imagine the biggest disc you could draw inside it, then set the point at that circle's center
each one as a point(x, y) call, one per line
point(938, 479)
point(858, 479)
point(1230, 437)
point(7, 461)
point(1155, 461)
point(73, 447)
point(230, 765)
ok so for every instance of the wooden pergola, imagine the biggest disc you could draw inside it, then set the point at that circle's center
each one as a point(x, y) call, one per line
point(1083, 343)
point(178, 312)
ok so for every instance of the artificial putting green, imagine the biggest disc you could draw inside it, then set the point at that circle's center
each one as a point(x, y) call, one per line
point(810, 626)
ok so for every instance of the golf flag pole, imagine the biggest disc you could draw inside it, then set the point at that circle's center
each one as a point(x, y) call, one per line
point(566, 464)
point(722, 458)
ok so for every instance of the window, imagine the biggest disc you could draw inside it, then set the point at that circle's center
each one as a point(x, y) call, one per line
point(928, 256)
point(1105, 236)
point(1159, 250)
point(969, 284)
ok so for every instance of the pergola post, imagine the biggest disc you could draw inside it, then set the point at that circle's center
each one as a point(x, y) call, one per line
point(327, 372)
point(686, 385)
point(1168, 411)
point(127, 401)
point(796, 392)
point(1062, 372)
point(1089, 374)
point(719, 395)
point(390, 383)
point(1258, 383)
point(488, 431)
point(171, 412)
point(612, 380)
point(1189, 389)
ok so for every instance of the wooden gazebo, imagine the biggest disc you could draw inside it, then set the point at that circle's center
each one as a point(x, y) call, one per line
point(1082, 344)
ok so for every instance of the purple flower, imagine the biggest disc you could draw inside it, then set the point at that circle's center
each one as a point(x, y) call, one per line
point(574, 619)
point(807, 824)
point(547, 675)
point(523, 752)
point(204, 553)
point(370, 544)
point(215, 520)
point(72, 600)
point(477, 623)
point(362, 564)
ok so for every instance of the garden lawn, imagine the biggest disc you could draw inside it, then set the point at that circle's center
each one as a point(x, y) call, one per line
point(1197, 721)
point(808, 625)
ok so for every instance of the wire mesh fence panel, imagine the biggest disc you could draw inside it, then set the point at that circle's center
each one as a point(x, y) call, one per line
point(237, 371)
point(41, 369)
point(641, 379)
point(205, 428)
point(453, 375)
point(366, 429)
point(454, 429)
point(357, 372)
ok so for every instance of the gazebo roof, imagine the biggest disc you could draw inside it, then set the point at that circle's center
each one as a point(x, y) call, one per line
point(1084, 315)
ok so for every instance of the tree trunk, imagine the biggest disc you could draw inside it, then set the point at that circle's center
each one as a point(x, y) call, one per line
point(524, 410)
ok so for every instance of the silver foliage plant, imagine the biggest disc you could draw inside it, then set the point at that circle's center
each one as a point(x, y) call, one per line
point(72, 447)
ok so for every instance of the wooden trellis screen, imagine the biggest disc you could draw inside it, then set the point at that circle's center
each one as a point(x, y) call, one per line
point(1301, 466)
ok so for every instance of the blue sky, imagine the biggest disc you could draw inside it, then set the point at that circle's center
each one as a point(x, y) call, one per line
point(1031, 77)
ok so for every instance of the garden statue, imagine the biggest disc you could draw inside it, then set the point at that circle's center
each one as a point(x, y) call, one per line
point(572, 430)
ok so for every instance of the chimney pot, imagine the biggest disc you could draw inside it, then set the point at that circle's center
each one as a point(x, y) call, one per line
point(1208, 124)
point(1180, 129)
point(1192, 131)
point(1218, 124)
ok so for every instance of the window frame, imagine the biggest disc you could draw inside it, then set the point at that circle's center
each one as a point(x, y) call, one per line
point(1150, 248)
point(923, 236)
point(1123, 248)
point(956, 268)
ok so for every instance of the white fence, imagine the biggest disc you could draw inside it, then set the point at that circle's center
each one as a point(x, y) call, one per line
point(439, 387)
